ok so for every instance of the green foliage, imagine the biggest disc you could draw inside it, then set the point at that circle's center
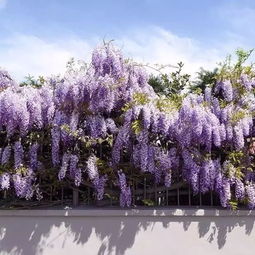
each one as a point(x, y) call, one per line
point(31, 81)
point(170, 103)
point(22, 170)
point(237, 116)
point(141, 98)
point(87, 140)
point(225, 70)
point(231, 71)
point(148, 202)
point(223, 103)
point(204, 78)
point(136, 126)
point(233, 205)
point(236, 166)
point(138, 99)
point(235, 156)
point(170, 84)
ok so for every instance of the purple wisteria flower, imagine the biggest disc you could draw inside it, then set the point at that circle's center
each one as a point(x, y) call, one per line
point(103, 116)
point(125, 195)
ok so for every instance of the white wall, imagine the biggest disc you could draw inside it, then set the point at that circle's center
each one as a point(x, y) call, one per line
point(134, 232)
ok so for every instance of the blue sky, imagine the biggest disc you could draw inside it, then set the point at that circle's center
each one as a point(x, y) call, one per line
point(39, 36)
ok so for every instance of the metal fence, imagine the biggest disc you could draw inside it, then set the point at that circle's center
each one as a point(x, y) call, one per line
point(144, 193)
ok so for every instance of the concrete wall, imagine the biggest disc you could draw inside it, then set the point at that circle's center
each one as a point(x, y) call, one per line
point(134, 232)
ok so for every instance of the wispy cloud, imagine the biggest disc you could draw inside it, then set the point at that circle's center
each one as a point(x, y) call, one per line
point(26, 54)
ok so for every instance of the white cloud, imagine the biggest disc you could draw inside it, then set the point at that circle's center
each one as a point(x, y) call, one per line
point(25, 54)
point(22, 55)
point(159, 46)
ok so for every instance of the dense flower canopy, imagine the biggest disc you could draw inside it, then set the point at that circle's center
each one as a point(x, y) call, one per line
point(102, 124)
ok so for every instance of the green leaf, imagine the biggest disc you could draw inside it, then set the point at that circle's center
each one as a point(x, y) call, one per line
point(233, 205)
point(136, 126)
point(148, 202)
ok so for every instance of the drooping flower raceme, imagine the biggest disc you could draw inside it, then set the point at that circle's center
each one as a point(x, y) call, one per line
point(87, 124)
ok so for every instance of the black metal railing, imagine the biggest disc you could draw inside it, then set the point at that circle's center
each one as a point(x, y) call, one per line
point(143, 194)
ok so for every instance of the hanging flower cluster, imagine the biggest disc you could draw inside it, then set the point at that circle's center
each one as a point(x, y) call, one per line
point(105, 123)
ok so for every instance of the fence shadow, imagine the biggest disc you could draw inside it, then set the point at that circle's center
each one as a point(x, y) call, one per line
point(34, 235)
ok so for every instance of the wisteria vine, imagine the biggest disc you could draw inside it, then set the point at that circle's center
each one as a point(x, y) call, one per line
point(102, 124)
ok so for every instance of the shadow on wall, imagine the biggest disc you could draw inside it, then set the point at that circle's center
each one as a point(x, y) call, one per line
point(110, 235)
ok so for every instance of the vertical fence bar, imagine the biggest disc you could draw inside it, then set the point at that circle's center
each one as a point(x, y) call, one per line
point(211, 197)
point(189, 196)
point(155, 193)
point(178, 196)
point(88, 195)
point(178, 190)
point(167, 197)
point(75, 197)
point(136, 188)
point(200, 199)
point(144, 188)
point(40, 181)
point(133, 192)
point(111, 195)
point(51, 193)
point(62, 195)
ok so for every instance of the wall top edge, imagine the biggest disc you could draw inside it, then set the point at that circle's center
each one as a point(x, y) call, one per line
point(134, 212)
